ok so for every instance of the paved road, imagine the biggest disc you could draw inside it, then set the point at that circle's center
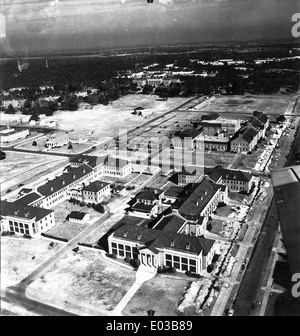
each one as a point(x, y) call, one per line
point(245, 302)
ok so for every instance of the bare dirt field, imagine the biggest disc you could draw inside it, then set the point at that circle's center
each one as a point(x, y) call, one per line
point(17, 167)
point(248, 103)
point(160, 294)
point(83, 279)
point(106, 121)
point(17, 254)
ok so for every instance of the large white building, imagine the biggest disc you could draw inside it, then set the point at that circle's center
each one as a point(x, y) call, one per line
point(10, 134)
point(23, 219)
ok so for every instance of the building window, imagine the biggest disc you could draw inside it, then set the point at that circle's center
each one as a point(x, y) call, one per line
point(169, 263)
point(192, 262)
point(177, 259)
point(193, 269)
point(168, 257)
point(114, 250)
point(121, 253)
point(114, 245)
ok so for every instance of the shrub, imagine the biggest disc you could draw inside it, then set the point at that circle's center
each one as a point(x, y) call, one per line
point(127, 259)
point(97, 247)
point(27, 236)
point(173, 270)
point(188, 273)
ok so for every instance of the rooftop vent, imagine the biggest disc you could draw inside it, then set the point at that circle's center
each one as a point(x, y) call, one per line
point(139, 237)
point(172, 243)
point(125, 234)
point(188, 246)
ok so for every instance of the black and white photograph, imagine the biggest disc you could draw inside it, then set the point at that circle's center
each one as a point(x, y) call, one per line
point(150, 161)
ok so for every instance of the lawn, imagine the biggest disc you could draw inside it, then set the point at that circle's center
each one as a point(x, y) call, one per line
point(160, 182)
point(160, 294)
point(217, 226)
point(17, 257)
point(224, 212)
point(212, 159)
point(247, 104)
point(83, 279)
point(67, 230)
point(142, 178)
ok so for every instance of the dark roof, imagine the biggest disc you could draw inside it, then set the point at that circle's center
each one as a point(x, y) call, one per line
point(23, 211)
point(173, 191)
point(142, 207)
point(195, 197)
point(29, 198)
point(149, 194)
point(257, 124)
point(190, 133)
point(233, 175)
point(170, 223)
point(64, 180)
point(77, 215)
point(156, 239)
point(250, 134)
point(209, 124)
point(96, 186)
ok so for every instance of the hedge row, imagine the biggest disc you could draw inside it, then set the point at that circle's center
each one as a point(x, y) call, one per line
point(7, 233)
point(86, 245)
point(56, 238)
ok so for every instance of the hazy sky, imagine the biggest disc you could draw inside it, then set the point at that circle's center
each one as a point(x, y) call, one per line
point(40, 25)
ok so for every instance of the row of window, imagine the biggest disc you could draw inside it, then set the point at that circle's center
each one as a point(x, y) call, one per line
point(19, 227)
point(124, 250)
point(181, 263)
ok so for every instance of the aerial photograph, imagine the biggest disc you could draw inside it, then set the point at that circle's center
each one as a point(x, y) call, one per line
point(150, 160)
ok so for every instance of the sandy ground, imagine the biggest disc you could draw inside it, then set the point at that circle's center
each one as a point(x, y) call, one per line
point(160, 294)
point(16, 257)
point(106, 121)
point(20, 166)
point(85, 279)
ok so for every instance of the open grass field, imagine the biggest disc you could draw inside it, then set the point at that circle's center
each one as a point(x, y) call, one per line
point(217, 226)
point(17, 254)
point(18, 167)
point(160, 294)
point(249, 103)
point(83, 279)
